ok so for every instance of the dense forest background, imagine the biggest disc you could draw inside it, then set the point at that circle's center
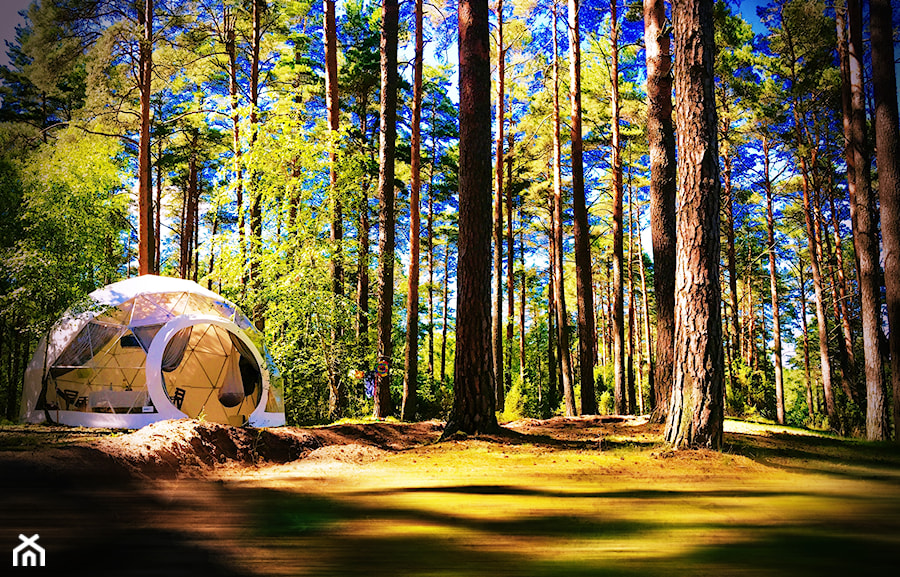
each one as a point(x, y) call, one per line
point(236, 143)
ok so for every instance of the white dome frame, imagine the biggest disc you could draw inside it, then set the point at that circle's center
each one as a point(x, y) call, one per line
point(71, 324)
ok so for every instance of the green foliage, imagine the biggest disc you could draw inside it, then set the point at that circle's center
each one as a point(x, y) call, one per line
point(607, 403)
point(751, 394)
point(71, 196)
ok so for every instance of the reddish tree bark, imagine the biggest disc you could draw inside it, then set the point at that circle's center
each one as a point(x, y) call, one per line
point(522, 336)
point(634, 392)
point(336, 392)
point(510, 266)
point(583, 281)
point(497, 316)
point(158, 207)
point(661, 136)
point(473, 386)
point(333, 110)
point(866, 236)
point(188, 212)
point(619, 377)
point(146, 243)
point(411, 369)
point(651, 391)
point(773, 285)
point(390, 13)
point(696, 412)
point(256, 205)
point(430, 249)
point(809, 391)
point(887, 143)
point(824, 360)
point(444, 321)
point(230, 22)
point(843, 292)
point(732, 258)
point(562, 316)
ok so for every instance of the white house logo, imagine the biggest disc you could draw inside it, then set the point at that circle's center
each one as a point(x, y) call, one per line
point(28, 553)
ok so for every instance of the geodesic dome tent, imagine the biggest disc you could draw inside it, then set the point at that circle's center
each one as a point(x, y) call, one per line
point(151, 348)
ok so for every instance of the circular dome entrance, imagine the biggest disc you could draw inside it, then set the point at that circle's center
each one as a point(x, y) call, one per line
point(209, 372)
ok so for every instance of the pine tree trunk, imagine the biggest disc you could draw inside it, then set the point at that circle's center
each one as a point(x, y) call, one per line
point(696, 412)
point(411, 372)
point(842, 286)
point(847, 114)
point(661, 137)
point(732, 258)
point(809, 392)
point(497, 316)
point(510, 266)
point(158, 206)
point(552, 370)
point(362, 264)
point(146, 242)
point(887, 144)
point(522, 335)
point(651, 386)
point(632, 393)
point(582, 231)
point(562, 317)
point(445, 305)
point(336, 393)
point(212, 245)
point(824, 360)
point(362, 273)
point(196, 249)
point(8, 381)
point(256, 206)
point(820, 298)
point(187, 219)
point(773, 285)
point(473, 386)
point(333, 110)
point(387, 145)
point(230, 22)
point(825, 255)
point(619, 375)
point(430, 248)
point(751, 311)
point(866, 236)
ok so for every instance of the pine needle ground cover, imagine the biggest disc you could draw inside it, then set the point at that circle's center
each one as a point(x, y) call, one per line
point(587, 496)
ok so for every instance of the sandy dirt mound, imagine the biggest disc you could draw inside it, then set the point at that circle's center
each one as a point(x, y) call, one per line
point(353, 453)
point(386, 436)
point(184, 446)
point(190, 448)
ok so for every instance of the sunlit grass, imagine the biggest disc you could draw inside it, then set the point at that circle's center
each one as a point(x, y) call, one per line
point(772, 503)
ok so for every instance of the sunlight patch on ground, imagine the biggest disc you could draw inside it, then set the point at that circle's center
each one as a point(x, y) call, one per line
point(750, 428)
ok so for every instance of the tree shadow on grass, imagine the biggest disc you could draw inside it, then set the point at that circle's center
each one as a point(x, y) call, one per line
point(96, 520)
point(335, 536)
point(99, 522)
point(600, 440)
point(856, 460)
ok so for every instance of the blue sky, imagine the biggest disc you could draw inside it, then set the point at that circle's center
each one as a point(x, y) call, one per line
point(9, 19)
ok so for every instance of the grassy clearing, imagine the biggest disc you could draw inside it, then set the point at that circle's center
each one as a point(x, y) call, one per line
point(565, 497)
point(590, 501)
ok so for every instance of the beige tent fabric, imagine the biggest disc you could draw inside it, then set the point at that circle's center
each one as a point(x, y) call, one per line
point(92, 368)
point(209, 371)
